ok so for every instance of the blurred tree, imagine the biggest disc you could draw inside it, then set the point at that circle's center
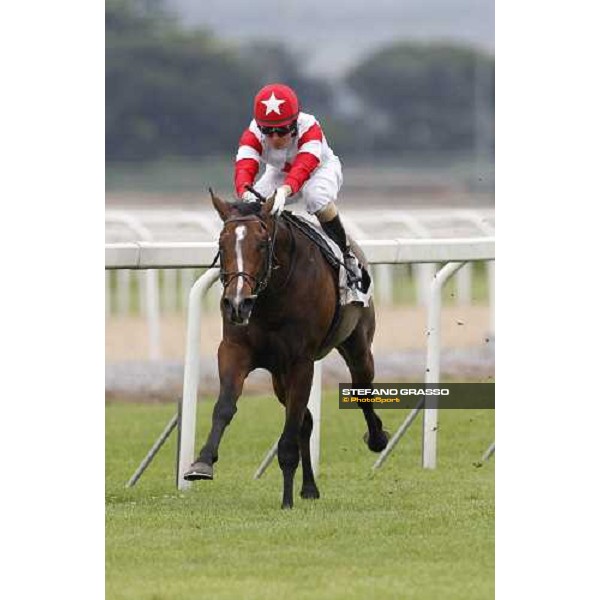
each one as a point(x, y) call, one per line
point(169, 92)
point(424, 97)
point(271, 62)
point(135, 17)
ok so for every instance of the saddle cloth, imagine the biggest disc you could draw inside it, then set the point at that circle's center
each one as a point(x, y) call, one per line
point(333, 254)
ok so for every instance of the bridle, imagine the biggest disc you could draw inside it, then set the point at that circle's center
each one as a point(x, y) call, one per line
point(258, 283)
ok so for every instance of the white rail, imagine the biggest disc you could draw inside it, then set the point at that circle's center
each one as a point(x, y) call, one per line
point(152, 308)
point(203, 224)
point(180, 255)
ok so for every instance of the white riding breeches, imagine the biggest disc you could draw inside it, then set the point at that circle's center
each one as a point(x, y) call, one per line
point(321, 188)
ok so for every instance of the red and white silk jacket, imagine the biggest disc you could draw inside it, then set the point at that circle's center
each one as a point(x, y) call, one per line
point(308, 150)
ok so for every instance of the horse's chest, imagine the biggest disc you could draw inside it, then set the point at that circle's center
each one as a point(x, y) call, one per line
point(283, 343)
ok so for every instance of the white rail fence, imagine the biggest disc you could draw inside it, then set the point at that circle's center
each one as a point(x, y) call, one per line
point(165, 291)
point(453, 253)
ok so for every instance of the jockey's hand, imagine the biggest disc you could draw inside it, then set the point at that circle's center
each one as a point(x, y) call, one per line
point(280, 197)
point(248, 196)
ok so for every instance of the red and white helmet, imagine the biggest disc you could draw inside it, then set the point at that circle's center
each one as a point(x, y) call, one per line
point(276, 105)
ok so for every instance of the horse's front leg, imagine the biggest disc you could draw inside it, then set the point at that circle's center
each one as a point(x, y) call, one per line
point(234, 366)
point(298, 384)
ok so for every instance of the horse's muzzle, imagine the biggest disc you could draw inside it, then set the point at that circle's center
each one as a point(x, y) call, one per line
point(238, 311)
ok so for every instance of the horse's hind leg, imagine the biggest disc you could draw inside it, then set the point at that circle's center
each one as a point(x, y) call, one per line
point(309, 485)
point(356, 351)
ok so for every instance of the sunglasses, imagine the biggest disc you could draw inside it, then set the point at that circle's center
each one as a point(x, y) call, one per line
point(279, 131)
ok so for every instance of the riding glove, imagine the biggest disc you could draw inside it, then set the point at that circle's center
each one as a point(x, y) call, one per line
point(280, 197)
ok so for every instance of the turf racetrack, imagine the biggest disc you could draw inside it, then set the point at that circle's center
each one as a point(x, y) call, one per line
point(405, 533)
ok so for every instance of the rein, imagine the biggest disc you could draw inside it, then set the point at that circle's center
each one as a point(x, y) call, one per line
point(261, 283)
point(311, 236)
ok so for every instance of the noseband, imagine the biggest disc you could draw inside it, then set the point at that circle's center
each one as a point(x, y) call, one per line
point(259, 283)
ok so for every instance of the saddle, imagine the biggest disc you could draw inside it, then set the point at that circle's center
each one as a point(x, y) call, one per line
point(360, 293)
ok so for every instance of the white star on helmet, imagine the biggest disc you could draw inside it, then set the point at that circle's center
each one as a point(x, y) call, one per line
point(272, 104)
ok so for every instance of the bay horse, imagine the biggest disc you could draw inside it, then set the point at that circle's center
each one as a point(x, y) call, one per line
point(280, 313)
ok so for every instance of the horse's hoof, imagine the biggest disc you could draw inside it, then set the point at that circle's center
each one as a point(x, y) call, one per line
point(287, 505)
point(310, 493)
point(198, 471)
point(378, 442)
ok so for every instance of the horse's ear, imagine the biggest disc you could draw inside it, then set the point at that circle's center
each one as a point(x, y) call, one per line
point(222, 207)
point(267, 207)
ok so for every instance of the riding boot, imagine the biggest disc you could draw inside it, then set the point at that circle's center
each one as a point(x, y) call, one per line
point(335, 230)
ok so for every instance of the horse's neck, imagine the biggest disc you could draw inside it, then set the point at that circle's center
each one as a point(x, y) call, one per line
point(285, 257)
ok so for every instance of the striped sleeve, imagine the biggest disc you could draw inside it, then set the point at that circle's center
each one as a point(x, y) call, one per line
point(311, 141)
point(247, 160)
point(308, 158)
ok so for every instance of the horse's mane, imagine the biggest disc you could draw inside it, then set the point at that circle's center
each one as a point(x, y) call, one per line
point(246, 208)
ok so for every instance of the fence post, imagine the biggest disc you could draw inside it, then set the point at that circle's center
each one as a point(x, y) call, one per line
point(314, 405)
point(432, 374)
point(464, 286)
point(107, 292)
point(169, 290)
point(123, 291)
point(384, 284)
point(491, 273)
point(432, 371)
point(191, 376)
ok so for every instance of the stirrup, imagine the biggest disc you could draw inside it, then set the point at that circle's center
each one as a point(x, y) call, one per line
point(352, 277)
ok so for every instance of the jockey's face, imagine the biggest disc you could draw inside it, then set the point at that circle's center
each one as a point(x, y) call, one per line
point(278, 142)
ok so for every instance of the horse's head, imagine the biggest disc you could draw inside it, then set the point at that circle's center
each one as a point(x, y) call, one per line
point(246, 250)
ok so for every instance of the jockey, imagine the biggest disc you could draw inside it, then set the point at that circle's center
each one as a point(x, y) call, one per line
point(299, 162)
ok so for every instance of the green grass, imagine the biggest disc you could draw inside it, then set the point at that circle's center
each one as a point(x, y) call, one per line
point(404, 533)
